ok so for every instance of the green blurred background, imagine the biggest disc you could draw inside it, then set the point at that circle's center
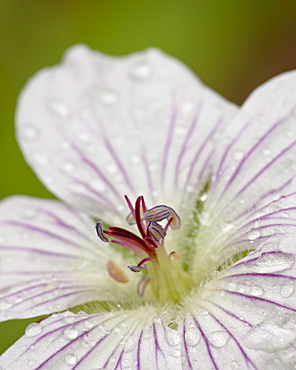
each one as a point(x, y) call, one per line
point(233, 45)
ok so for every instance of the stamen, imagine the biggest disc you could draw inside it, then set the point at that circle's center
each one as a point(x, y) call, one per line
point(130, 219)
point(156, 231)
point(175, 256)
point(100, 231)
point(116, 273)
point(134, 268)
point(159, 213)
point(142, 286)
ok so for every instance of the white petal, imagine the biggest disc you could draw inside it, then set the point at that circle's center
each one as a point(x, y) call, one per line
point(247, 312)
point(51, 259)
point(96, 128)
point(121, 340)
point(252, 195)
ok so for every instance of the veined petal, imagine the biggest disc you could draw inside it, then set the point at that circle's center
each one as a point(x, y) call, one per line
point(252, 193)
point(245, 318)
point(121, 340)
point(140, 124)
point(51, 259)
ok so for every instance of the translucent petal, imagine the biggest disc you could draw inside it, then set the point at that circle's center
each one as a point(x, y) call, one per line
point(51, 259)
point(121, 340)
point(245, 318)
point(97, 127)
point(252, 195)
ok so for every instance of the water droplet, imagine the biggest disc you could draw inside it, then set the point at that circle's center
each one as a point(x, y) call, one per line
point(192, 337)
point(269, 262)
point(71, 333)
point(266, 152)
point(4, 305)
point(107, 97)
point(33, 329)
point(227, 226)
point(256, 290)
point(40, 159)
point(29, 213)
point(219, 338)
point(65, 145)
point(31, 363)
point(288, 289)
point(141, 70)
point(88, 324)
point(173, 337)
point(253, 235)
point(234, 365)
point(68, 166)
point(29, 132)
point(71, 359)
point(273, 334)
point(97, 184)
point(59, 108)
point(2, 238)
point(238, 155)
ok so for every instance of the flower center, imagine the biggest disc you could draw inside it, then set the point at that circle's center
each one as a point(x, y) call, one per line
point(169, 282)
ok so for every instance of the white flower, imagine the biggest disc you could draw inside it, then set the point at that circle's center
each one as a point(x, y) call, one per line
point(219, 293)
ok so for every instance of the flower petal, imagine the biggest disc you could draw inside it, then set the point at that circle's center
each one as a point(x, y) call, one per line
point(247, 312)
point(121, 340)
point(98, 127)
point(51, 259)
point(252, 195)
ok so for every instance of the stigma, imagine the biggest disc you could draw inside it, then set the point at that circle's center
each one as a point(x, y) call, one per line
point(148, 244)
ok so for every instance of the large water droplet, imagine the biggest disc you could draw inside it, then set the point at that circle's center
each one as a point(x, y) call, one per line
point(219, 338)
point(288, 289)
point(71, 333)
point(29, 132)
point(33, 329)
point(269, 262)
point(273, 334)
point(71, 359)
point(4, 305)
point(141, 70)
point(68, 166)
point(192, 337)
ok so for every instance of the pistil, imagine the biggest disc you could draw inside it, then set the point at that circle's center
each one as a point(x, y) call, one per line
point(162, 271)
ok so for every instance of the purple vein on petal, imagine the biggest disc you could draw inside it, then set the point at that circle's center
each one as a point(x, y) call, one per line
point(118, 163)
point(246, 357)
point(262, 170)
point(45, 232)
point(253, 148)
point(190, 130)
point(204, 337)
point(169, 139)
point(96, 170)
point(201, 148)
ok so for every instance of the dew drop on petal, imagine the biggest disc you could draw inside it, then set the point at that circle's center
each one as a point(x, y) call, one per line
point(266, 152)
point(173, 337)
point(40, 158)
point(269, 262)
point(256, 290)
point(4, 305)
point(288, 289)
point(238, 155)
point(234, 365)
point(68, 166)
point(29, 132)
point(33, 329)
point(71, 359)
point(273, 334)
point(253, 235)
point(219, 338)
point(107, 97)
point(71, 333)
point(192, 337)
point(141, 70)
point(59, 108)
